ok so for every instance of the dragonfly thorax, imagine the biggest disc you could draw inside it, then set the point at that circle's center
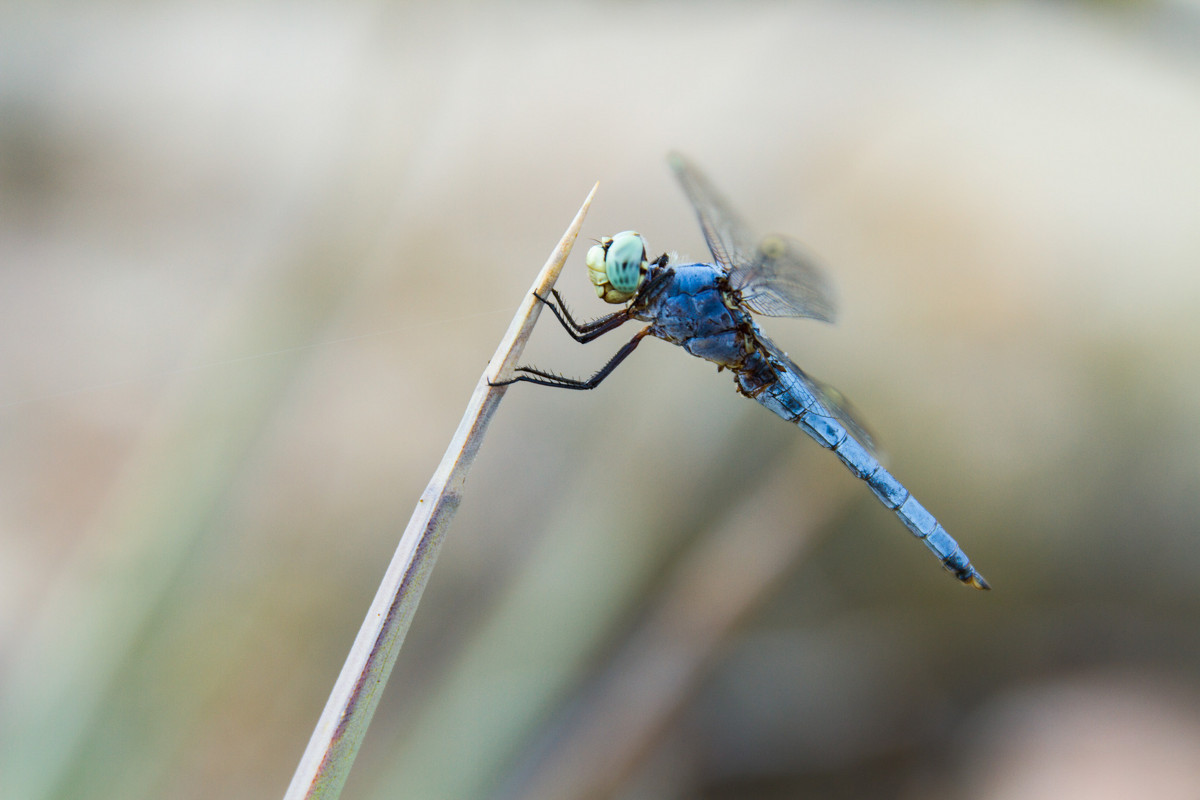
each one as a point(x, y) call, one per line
point(617, 266)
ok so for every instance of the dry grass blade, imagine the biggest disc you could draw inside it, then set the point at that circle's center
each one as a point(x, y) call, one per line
point(326, 762)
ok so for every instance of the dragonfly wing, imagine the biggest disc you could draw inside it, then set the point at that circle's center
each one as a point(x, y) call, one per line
point(783, 281)
point(774, 276)
point(731, 241)
point(833, 402)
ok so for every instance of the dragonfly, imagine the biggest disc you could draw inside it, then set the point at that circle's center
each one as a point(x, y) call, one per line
point(709, 310)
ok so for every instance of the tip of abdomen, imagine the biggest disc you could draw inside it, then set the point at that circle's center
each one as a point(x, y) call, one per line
point(977, 581)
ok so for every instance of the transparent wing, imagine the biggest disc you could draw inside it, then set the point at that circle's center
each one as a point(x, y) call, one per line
point(833, 401)
point(782, 281)
point(731, 241)
point(774, 277)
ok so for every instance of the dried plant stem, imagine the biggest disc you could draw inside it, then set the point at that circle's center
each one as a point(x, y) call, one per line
point(326, 762)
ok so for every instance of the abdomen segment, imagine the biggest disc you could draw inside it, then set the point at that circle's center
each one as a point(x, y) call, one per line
point(798, 402)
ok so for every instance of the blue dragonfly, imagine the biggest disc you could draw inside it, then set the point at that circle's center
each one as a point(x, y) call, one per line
point(706, 309)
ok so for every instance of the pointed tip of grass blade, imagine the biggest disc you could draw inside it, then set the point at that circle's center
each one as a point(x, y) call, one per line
point(553, 266)
point(513, 343)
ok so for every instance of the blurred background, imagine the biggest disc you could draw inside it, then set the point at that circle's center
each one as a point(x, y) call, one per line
point(254, 257)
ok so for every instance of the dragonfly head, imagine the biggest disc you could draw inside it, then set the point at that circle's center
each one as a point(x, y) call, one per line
point(617, 266)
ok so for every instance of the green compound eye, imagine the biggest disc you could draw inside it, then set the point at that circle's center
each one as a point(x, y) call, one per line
point(625, 261)
point(617, 266)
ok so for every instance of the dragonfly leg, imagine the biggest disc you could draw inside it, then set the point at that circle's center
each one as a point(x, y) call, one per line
point(586, 331)
point(543, 378)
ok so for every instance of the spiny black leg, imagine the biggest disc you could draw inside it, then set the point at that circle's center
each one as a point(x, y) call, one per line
point(587, 331)
point(542, 378)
